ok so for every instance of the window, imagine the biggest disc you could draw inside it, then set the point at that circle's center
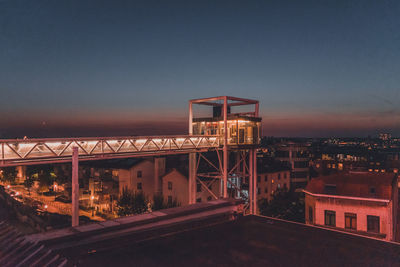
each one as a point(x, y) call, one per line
point(258, 178)
point(198, 188)
point(285, 175)
point(279, 176)
point(350, 221)
point(169, 185)
point(330, 218)
point(169, 200)
point(310, 214)
point(139, 174)
point(266, 178)
point(373, 224)
point(258, 190)
point(198, 200)
point(266, 190)
point(139, 186)
point(372, 190)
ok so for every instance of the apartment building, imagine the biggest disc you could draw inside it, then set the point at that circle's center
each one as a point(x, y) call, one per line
point(298, 158)
point(272, 176)
point(360, 202)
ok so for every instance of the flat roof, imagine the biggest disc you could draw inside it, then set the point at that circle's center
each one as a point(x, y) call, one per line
point(231, 101)
point(252, 241)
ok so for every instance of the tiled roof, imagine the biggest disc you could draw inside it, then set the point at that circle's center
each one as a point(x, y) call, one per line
point(354, 184)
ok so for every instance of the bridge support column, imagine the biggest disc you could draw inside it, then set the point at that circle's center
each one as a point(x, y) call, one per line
point(192, 178)
point(75, 187)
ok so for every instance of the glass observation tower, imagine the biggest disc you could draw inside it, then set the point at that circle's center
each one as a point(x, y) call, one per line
point(237, 124)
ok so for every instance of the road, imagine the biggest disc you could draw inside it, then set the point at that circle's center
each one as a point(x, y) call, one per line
point(52, 205)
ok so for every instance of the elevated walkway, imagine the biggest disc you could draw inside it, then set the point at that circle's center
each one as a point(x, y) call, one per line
point(14, 152)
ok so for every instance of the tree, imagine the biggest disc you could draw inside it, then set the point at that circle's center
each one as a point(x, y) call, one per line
point(63, 174)
point(45, 175)
point(32, 171)
point(9, 174)
point(288, 205)
point(28, 183)
point(160, 203)
point(131, 202)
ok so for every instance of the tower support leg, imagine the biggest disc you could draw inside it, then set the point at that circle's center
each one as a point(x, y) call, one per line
point(255, 191)
point(226, 154)
point(251, 182)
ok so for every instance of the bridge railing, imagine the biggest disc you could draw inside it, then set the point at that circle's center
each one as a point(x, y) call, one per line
point(21, 150)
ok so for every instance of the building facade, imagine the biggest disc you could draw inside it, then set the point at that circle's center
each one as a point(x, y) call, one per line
point(359, 202)
point(175, 184)
point(298, 158)
point(269, 181)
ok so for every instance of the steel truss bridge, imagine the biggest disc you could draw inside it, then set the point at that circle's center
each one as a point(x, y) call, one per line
point(14, 152)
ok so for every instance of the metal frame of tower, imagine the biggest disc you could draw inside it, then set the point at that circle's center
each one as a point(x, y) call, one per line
point(246, 157)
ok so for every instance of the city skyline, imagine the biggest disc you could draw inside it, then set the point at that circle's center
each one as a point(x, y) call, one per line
point(120, 68)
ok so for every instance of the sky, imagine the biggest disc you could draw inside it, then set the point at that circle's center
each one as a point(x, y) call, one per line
point(92, 68)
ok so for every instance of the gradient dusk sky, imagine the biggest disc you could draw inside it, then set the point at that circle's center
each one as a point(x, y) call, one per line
point(77, 67)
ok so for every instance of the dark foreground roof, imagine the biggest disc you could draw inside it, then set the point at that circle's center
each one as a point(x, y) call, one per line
point(252, 241)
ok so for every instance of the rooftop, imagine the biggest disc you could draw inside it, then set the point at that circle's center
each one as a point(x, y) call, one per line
point(354, 184)
point(252, 241)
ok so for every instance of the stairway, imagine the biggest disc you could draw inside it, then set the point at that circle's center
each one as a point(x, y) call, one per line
point(16, 251)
